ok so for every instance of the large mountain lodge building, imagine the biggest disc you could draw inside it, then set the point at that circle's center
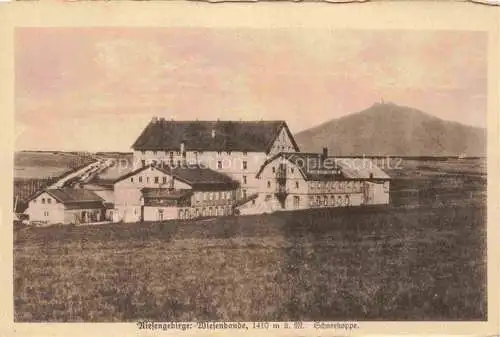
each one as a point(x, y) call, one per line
point(265, 161)
point(291, 181)
point(235, 148)
point(192, 169)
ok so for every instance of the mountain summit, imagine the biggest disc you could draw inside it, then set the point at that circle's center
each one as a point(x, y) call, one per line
point(390, 129)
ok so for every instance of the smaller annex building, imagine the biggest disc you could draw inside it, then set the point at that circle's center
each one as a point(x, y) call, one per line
point(291, 181)
point(156, 193)
point(66, 206)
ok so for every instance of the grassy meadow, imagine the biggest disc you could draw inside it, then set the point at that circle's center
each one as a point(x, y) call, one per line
point(423, 262)
point(42, 164)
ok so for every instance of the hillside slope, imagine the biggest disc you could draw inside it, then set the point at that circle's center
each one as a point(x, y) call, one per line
point(390, 129)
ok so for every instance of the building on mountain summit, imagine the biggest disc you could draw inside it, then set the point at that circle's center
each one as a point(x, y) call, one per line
point(235, 148)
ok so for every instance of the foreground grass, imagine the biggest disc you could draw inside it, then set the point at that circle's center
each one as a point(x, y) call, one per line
point(420, 264)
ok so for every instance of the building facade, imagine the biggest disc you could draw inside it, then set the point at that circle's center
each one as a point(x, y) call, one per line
point(156, 193)
point(65, 206)
point(235, 148)
point(293, 181)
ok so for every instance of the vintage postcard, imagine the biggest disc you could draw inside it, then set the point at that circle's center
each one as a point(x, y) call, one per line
point(310, 170)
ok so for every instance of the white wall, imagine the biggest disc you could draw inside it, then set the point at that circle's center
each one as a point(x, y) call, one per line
point(128, 192)
point(71, 216)
point(283, 143)
point(37, 211)
point(378, 193)
point(232, 162)
point(152, 213)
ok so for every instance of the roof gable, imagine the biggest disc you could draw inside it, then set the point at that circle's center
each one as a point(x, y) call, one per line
point(197, 177)
point(67, 195)
point(360, 168)
point(250, 136)
point(313, 166)
point(137, 171)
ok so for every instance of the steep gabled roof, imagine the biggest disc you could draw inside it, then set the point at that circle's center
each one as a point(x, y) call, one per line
point(360, 168)
point(163, 193)
point(68, 195)
point(250, 136)
point(313, 166)
point(197, 177)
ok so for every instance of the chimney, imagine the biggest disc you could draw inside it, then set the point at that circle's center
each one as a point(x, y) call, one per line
point(154, 119)
point(325, 153)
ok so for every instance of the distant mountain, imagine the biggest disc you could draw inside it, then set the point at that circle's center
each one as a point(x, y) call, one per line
point(390, 129)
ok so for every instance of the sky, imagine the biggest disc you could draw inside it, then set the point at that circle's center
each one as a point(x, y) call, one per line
point(95, 89)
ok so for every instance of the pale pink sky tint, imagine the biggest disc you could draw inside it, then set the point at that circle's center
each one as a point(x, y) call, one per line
point(95, 89)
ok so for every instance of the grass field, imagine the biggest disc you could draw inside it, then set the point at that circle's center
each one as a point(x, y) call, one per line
point(42, 165)
point(380, 263)
point(418, 264)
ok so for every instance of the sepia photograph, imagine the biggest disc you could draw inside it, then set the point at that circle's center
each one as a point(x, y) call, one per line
point(249, 174)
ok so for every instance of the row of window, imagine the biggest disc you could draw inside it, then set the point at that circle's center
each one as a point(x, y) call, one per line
point(292, 170)
point(200, 212)
point(244, 164)
point(156, 180)
point(331, 200)
point(195, 153)
point(317, 201)
point(43, 200)
point(297, 184)
point(220, 195)
point(336, 185)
